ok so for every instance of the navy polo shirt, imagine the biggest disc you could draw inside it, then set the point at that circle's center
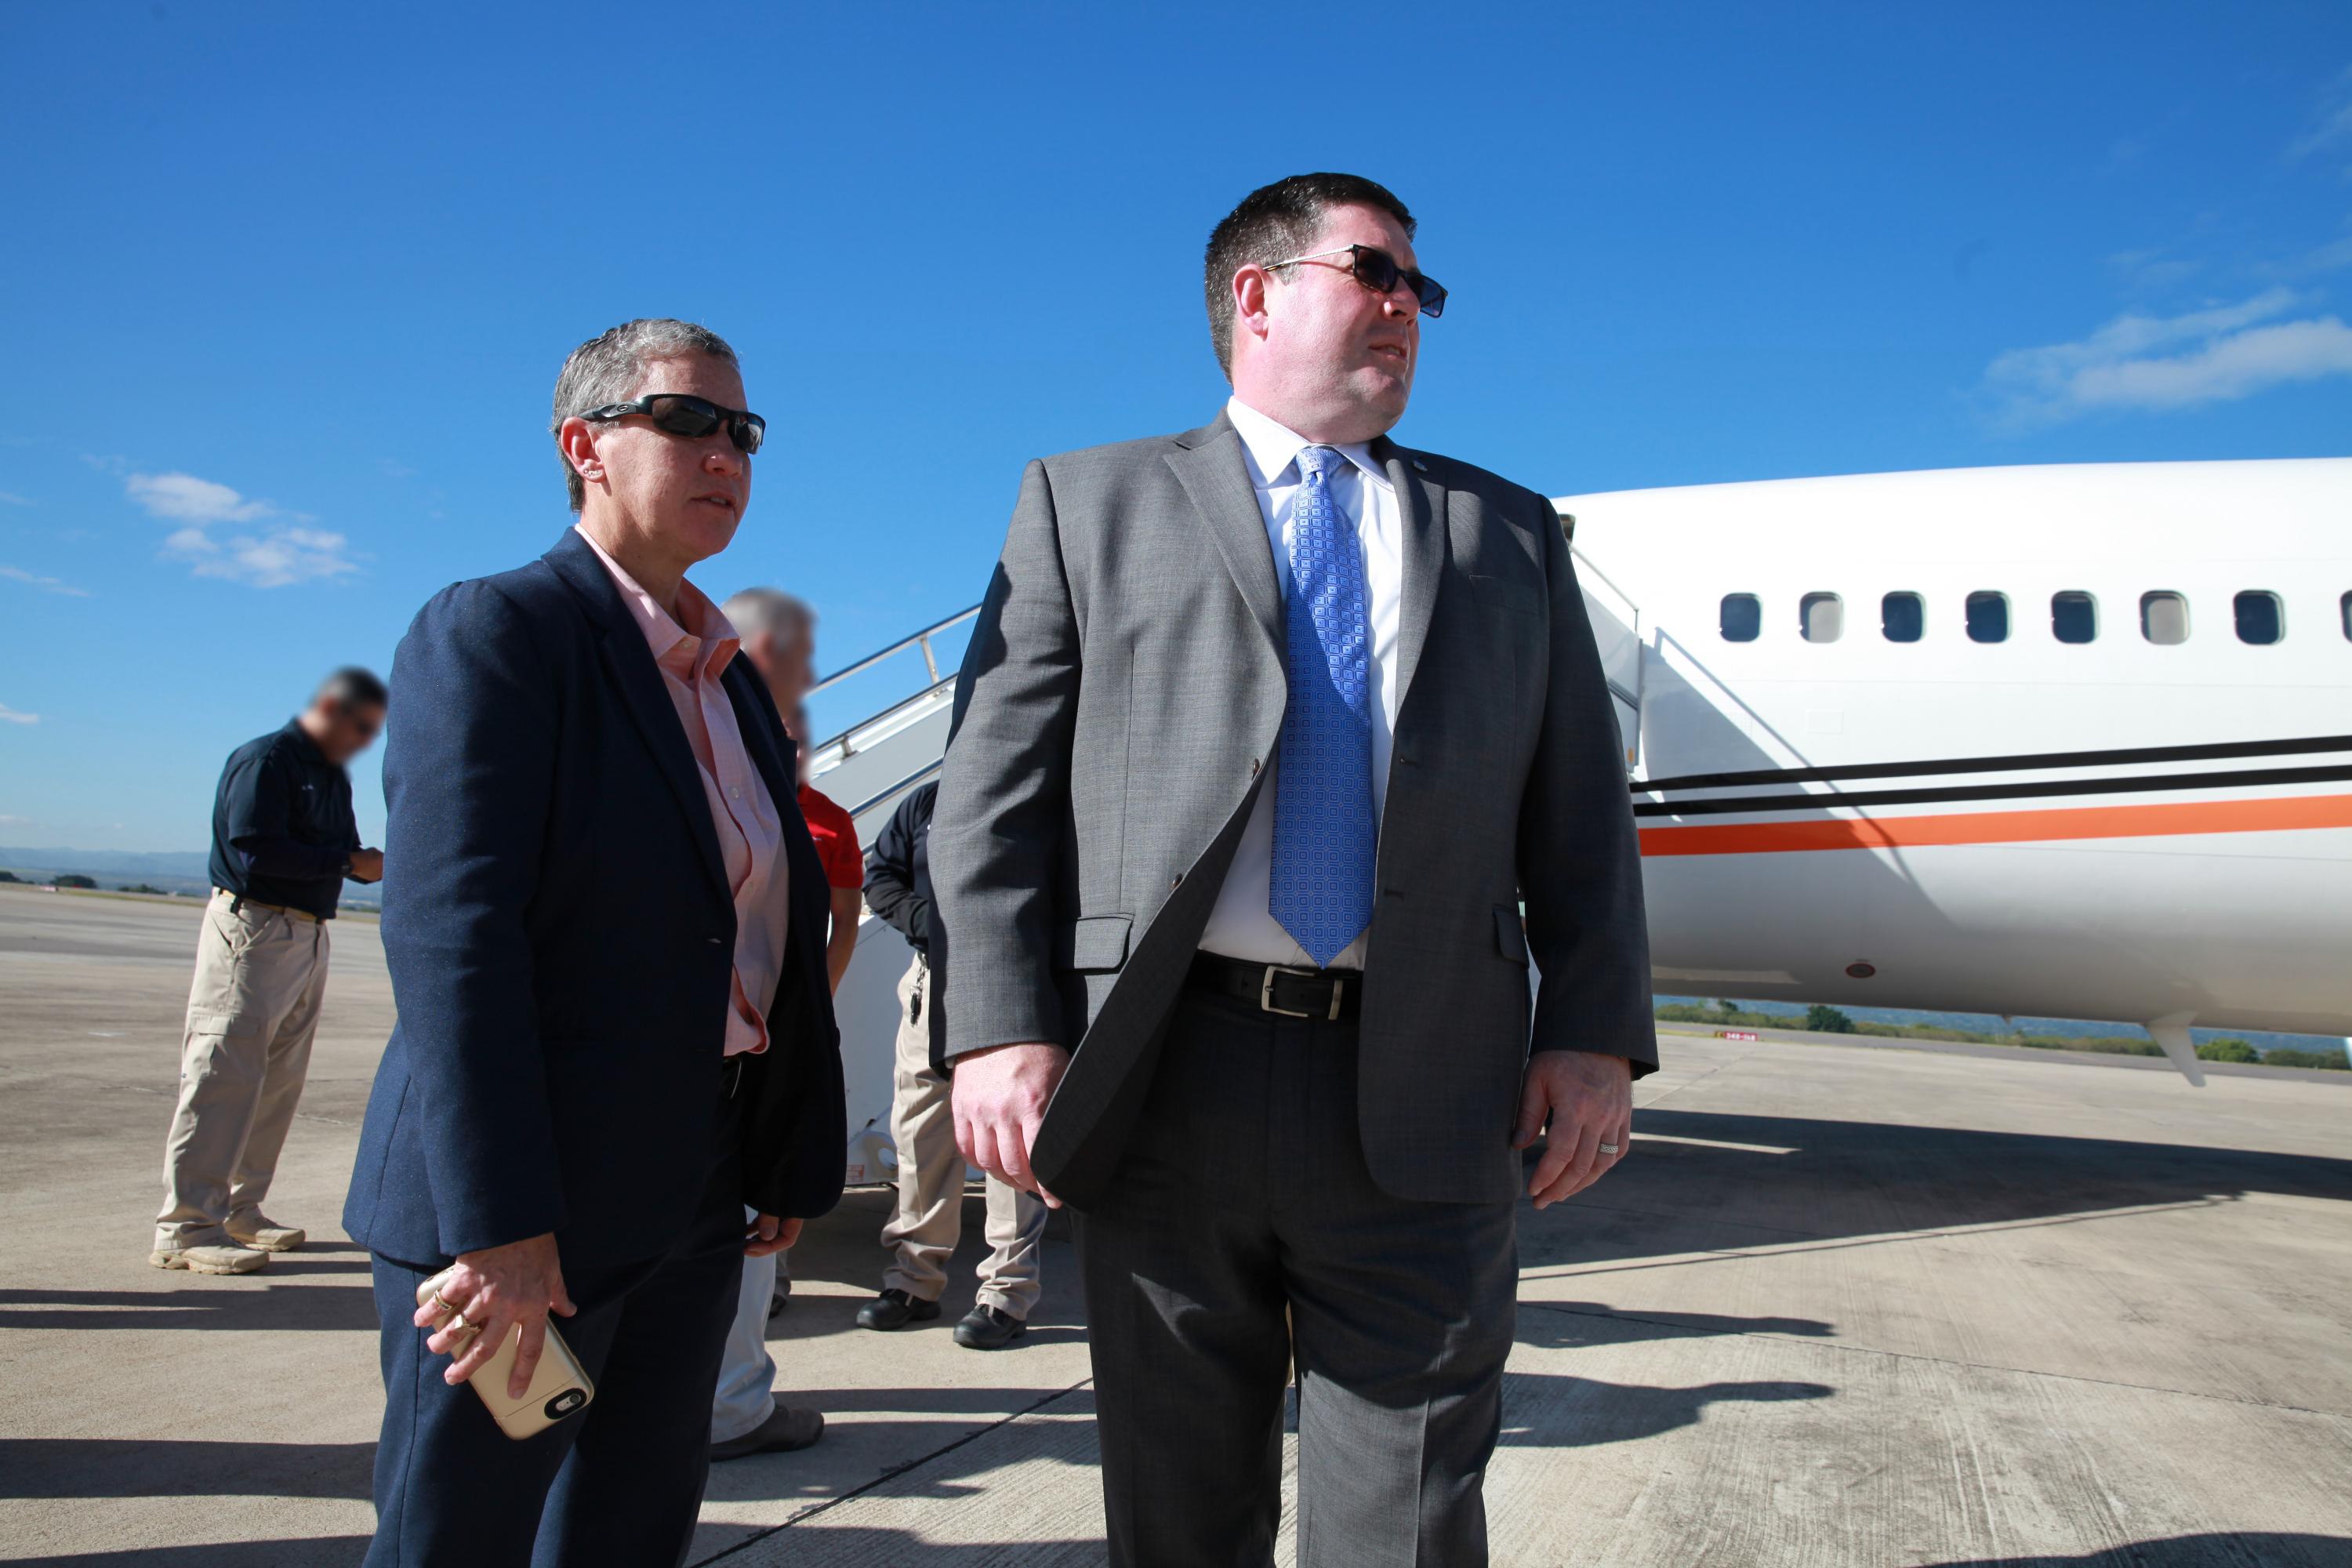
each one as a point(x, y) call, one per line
point(283, 830)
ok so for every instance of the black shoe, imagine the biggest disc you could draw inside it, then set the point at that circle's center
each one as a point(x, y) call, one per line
point(779, 1299)
point(986, 1328)
point(791, 1427)
point(895, 1308)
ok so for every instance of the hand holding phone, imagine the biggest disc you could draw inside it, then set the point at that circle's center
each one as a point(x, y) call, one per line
point(522, 1401)
point(495, 1289)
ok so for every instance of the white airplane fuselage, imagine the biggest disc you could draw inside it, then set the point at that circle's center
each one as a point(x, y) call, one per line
point(2151, 824)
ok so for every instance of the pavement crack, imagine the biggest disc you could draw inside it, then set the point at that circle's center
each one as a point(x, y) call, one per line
point(895, 1471)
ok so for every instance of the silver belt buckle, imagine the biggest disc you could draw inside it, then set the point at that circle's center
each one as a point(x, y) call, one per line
point(1265, 993)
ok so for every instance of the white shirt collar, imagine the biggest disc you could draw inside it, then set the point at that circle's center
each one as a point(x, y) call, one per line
point(1272, 447)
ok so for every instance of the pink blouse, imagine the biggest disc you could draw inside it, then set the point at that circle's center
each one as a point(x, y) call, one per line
point(751, 835)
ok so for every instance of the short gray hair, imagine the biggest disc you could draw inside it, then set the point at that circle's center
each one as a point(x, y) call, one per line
point(772, 610)
point(607, 368)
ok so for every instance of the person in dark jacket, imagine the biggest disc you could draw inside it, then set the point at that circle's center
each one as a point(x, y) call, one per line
point(604, 920)
point(923, 1231)
point(283, 840)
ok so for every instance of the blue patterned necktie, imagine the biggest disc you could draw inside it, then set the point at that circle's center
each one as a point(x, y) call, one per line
point(1321, 890)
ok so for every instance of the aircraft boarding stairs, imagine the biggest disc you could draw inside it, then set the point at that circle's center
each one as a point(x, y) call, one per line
point(869, 768)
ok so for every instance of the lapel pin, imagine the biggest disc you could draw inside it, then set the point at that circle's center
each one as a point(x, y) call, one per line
point(1420, 467)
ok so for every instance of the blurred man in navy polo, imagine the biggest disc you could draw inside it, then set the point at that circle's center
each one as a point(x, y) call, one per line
point(283, 841)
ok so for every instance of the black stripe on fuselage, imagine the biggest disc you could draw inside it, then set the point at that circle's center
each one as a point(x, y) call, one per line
point(2049, 788)
point(2113, 757)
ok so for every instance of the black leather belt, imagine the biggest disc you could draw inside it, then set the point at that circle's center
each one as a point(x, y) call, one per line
point(1333, 996)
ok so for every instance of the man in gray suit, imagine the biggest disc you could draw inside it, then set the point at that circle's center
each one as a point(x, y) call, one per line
point(1265, 732)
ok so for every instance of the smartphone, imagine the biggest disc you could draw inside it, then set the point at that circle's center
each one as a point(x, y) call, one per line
point(559, 1386)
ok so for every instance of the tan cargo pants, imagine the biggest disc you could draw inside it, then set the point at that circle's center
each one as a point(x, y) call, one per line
point(922, 1234)
point(252, 1011)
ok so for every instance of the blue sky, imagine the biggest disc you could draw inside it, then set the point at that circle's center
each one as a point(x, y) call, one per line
point(287, 288)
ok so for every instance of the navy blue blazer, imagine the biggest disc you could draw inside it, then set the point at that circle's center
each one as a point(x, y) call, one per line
point(561, 936)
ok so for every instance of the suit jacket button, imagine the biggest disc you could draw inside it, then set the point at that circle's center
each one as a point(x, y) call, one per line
point(716, 941)
point(1254, 767)
point(1177, 883)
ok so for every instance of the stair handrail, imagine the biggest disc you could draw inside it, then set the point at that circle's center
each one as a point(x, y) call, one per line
point(923, 638)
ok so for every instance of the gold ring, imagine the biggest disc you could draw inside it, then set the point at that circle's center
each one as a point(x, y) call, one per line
point(459, 1325)
point(1608, 1147)
point(443, 1302)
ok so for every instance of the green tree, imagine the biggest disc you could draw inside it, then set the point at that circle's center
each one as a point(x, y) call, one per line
point(9, 876)
point(73, 880)
point(1824, 1019)
point(2288, 1057)
point(2228, 1050)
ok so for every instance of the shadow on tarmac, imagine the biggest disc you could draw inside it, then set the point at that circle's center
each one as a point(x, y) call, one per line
point(2225, 1548)
point(173, 1467)
point(1700, 1180)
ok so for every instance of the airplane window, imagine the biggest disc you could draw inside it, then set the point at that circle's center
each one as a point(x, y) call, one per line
point(2164, 617)
point(1988, 617)
point(1902, 616)
point(2074, 616)
point(1821, 618)
point(2260, 617)
point(1743, 617)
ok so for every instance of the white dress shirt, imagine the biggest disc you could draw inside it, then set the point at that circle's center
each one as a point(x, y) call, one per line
point(1241, 926)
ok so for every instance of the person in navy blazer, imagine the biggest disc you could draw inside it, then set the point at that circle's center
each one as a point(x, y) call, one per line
point(605, 924)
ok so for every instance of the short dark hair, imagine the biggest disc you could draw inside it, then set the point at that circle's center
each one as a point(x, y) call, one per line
point(1275, 222)
point(353, 687)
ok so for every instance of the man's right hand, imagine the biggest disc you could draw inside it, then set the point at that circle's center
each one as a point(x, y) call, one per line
point(494, 1290)
point(1001, 1095)
point(367, 866)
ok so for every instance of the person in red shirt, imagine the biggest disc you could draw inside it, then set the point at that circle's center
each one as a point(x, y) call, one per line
point(845, 862)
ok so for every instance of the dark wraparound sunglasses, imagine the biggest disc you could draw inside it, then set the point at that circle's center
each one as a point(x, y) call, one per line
point(1376, 269)
point(682, 413)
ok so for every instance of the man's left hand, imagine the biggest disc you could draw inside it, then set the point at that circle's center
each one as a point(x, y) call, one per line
point(768, 1234)
point(1588, 1101)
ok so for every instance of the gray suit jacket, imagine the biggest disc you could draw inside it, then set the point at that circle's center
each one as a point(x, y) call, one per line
point(1118, 714)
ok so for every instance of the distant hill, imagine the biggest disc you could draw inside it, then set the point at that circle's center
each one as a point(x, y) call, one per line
point(150, 864)
point(172, 870)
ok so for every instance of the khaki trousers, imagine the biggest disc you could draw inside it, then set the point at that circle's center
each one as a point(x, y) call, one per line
point(922, 1234)
point(252, 1011)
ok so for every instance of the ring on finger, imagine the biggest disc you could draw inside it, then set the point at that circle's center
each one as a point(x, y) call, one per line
point(457, 1325)
point(1608, 1147)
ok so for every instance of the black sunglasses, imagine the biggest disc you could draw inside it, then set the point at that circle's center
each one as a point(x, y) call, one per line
point(1376, 269)
point(682, 413)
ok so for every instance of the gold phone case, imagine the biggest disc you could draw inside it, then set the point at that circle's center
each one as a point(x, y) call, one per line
point(559, 1386)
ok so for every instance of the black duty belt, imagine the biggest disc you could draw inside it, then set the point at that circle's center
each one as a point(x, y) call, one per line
point(1333, 996)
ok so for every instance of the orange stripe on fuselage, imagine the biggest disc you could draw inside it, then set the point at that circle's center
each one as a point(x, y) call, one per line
point(2157, 821)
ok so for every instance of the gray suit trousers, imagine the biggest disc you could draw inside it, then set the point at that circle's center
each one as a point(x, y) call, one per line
point(1243, 1194)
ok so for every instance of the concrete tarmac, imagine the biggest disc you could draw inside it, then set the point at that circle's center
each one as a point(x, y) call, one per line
point(1840, 1307)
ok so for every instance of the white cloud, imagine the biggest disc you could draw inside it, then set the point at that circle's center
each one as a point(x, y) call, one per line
point(9, 497)
point(47, 585)
point(283, 548)
point(271, 559)
point(185, 498)
point(10, 716)
point(2335, 121)
point(2165, 363)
